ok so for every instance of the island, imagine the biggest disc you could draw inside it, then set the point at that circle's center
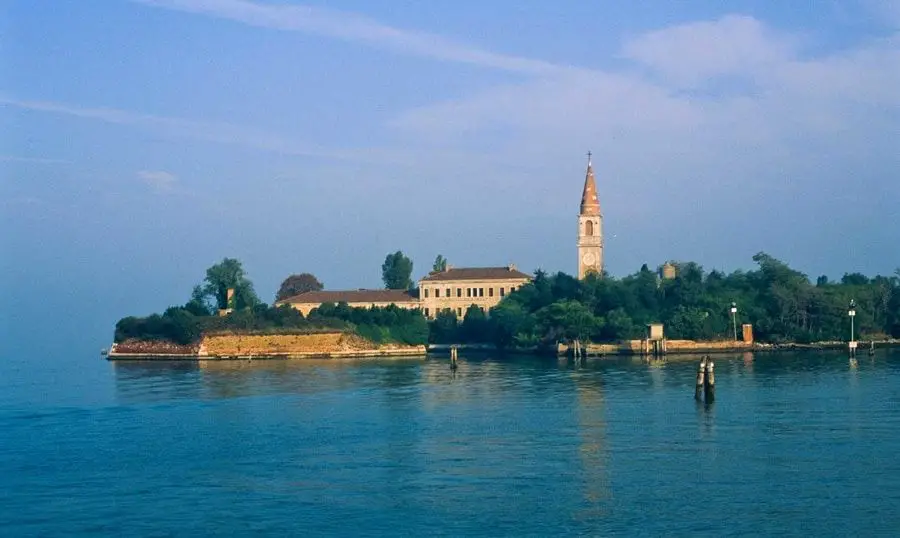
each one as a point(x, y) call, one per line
point(771, 308)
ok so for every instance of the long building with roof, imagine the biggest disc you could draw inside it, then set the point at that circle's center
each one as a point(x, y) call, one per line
point(454, 288)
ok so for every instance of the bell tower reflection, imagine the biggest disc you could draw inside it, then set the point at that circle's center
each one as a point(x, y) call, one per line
point(593, 450)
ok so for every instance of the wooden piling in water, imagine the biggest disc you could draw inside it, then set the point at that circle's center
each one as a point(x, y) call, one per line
point(701, 380)
point(453, 358)
point(710, 386)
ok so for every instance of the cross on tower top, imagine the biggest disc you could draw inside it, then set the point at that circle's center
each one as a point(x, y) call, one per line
point(589, 157)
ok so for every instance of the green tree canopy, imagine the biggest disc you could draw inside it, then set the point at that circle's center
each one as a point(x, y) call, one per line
point(440, 264)
point(297, 284)
point(396, 271)
point(213, 291)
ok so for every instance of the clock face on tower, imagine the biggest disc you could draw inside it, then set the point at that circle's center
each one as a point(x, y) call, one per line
point(588, 258)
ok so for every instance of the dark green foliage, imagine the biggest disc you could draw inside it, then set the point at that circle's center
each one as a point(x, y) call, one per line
point(297, 284)
point(444, 329)
point(229, 273)
point(175, 325)
point(389, 324)
point(440, 264)
point(475, 327)
point(780, 302)
point(396, 271)
point(180, 326)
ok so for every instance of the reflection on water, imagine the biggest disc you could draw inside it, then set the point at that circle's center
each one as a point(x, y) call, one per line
point(521, 445)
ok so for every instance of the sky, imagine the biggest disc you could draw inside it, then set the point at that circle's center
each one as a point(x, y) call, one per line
point(144, 140)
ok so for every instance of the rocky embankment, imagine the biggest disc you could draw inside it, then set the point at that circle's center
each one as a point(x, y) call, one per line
point(263, 346)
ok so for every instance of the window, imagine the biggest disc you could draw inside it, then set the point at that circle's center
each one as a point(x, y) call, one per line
point(481, 292)
point(459, 312)
point(426, 295)
point(490, 292)
point(502, 292)
point(589, 228)
point(447, 294)
point(437, 292)
point(468, 292)
point(459, 292)
point(426, 313)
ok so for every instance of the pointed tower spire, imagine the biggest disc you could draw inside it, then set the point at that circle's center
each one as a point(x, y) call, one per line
point(590, 204)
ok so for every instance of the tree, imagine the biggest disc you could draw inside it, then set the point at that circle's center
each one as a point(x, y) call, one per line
point(297, 284)
point(440, 264)
point(474, 327)
point(225, 275)
point(509, 320)
point(445, 328)
point(396, 271)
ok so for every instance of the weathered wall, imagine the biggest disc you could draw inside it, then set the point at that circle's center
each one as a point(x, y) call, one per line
point(153, 347)
point(258, 344)
point(333, 344)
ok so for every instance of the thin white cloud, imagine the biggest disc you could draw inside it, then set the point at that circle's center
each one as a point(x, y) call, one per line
point(353, 27)
point(34, 160)
point(159, 180)
point(218, 132)
point(690, 54)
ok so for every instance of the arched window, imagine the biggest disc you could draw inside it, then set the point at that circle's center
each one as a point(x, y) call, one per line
point(589, 227)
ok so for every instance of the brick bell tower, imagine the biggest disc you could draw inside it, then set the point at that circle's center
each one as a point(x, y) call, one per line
point(590, 227)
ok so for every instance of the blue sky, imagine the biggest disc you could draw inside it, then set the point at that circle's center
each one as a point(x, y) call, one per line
point(146, 140)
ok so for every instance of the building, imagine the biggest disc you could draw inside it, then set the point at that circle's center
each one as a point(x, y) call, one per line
point(590, 227)
point(456, 289)
point(453, 288)
point(361, 298)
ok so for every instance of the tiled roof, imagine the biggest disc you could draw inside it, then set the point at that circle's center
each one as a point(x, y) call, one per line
point(351, 296)
point(476, 273)
point(590, 204)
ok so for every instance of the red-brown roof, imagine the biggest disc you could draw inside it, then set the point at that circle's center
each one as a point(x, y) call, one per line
point(351, 296)
point(476, 273)
point(590, 204)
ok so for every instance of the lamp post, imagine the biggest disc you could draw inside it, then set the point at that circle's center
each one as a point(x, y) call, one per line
point(734, 319)
point(851, 311)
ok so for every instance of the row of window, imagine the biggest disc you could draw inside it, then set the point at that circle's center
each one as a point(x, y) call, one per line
point(470, 292)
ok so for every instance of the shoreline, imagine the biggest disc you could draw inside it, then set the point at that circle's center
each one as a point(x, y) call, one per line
point(327, 345)
point(412, 353)
point(201, 352)
point(673, 347)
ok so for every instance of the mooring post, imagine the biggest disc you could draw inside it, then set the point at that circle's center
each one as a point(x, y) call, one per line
point(453, 357)
point(701, 376)
point(710, 387)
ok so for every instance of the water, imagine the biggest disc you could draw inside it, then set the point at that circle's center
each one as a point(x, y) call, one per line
point(795, 444)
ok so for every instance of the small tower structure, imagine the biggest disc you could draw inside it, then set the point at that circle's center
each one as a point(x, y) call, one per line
point(590, 227)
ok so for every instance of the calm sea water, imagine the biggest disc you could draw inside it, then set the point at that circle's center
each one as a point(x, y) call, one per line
point(795, 444)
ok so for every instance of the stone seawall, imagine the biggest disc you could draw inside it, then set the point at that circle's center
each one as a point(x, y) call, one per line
point(263, 346)
point(674, 347)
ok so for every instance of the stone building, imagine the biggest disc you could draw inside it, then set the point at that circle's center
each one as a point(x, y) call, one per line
point(456, 289)
point(361, 298)
point(590, 227)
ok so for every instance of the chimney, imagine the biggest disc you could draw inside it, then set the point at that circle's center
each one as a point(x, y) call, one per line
point(447, 267)
point(511, 267)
